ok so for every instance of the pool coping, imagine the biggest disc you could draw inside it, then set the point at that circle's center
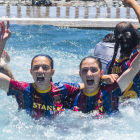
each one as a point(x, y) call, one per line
point(72, 23)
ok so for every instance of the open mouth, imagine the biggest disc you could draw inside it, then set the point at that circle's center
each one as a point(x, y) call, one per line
point(40, 79)
point(90, 82)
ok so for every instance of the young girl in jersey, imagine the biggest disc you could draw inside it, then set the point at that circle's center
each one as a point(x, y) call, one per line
point(97, 96)
point(128, 41)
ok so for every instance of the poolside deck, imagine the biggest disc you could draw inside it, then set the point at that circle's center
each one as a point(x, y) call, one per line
point(86, 17)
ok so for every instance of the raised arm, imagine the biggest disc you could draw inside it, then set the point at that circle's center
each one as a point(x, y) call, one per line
point(5, 34)
point(4, 82)
point(133, 4)
point(110, 79)
point(6, 56)
point(125, 79)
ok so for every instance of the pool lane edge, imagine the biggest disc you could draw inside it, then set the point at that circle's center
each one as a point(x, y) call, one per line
point(72, 23)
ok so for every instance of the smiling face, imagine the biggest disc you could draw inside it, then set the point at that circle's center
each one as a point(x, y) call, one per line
point(90, 74)
point(42, 72)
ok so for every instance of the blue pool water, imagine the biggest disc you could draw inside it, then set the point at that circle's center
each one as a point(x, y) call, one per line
point(67, 47)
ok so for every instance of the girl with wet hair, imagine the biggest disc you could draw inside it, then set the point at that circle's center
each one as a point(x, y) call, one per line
point(128, 40)
point(47, 56)
point(117, 31)
point(108, 43)
point(42, 98)
point(97, 96)
point(122, 26)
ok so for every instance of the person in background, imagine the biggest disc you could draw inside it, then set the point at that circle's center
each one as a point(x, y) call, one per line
point(108, 47)
point(124, 25)
point(128, 43)
point(104, 50)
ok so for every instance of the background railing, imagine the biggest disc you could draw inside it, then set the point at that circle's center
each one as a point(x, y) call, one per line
point(75, 3)
point(90, 3)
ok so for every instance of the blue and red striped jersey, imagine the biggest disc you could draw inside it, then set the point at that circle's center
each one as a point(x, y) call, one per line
point(42, 103)
point(120, 66)
point(100, 100)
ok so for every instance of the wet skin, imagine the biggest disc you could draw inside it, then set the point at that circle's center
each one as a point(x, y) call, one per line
point(90, 74)
point(5, 69)
point(41, 72)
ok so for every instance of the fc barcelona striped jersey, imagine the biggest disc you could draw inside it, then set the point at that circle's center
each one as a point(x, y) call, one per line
point(120, 66)
point(133, 90)
point(100, 100)
point(42, 103)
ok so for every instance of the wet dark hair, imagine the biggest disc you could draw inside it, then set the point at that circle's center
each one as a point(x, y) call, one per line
point(128, 39)
point(118, 29)
point(92, 57)
point(45, 56)
point(109, 38)
point(121, 26)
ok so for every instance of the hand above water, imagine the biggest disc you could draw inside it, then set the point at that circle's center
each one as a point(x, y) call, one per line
point(5, 33)
point(110, 79)
point(133, 4)
point(129, 3)
point(6, 56)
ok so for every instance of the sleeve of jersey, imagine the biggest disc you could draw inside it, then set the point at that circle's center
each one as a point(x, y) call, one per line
point(72, 92)
point(72, 89)
point(113, 89)
point(16, 87)
point(133, 56)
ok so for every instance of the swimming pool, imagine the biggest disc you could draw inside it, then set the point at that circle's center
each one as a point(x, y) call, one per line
point(67, 47)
